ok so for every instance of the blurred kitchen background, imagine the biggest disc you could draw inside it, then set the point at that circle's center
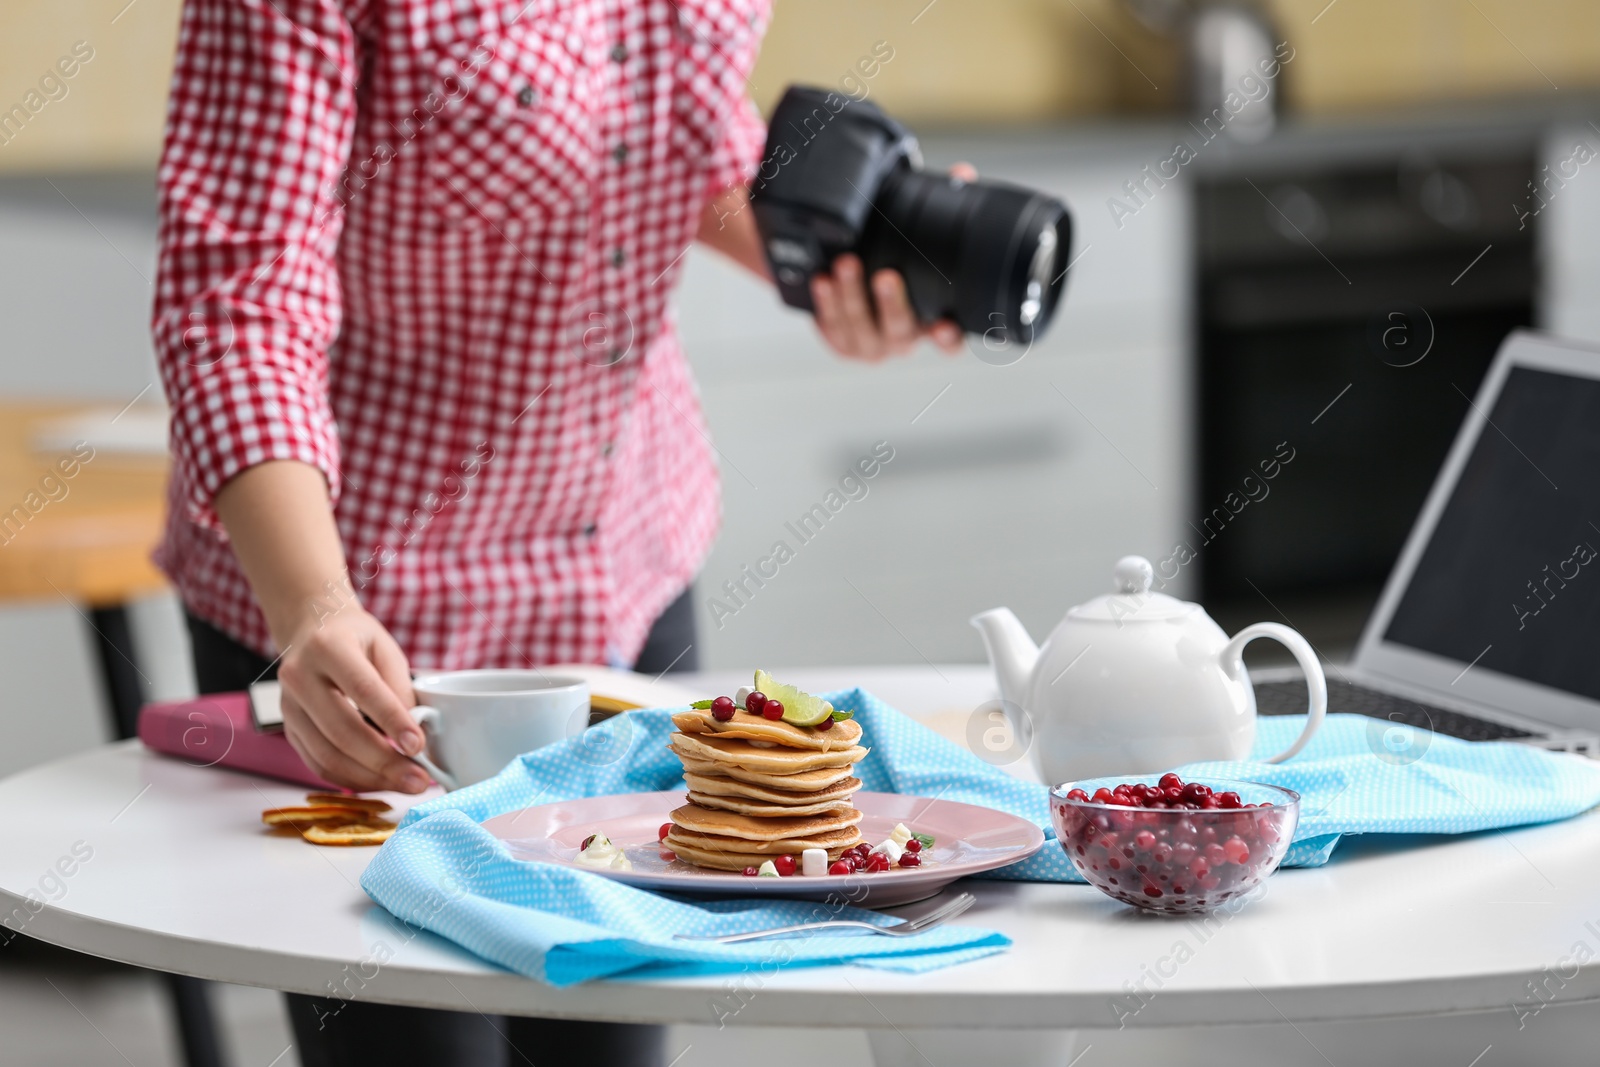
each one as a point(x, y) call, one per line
point(1325, 278)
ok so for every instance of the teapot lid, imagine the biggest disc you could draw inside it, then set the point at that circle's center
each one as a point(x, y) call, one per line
point(1133, 601)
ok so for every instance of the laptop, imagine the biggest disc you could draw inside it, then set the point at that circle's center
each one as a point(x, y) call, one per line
point(1489, 626)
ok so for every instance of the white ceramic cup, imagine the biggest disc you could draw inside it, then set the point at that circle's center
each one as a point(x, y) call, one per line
point(476, 722)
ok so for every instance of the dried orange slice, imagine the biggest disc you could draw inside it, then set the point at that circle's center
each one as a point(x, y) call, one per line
point(350, 834)
point(340, 800)
point(313, 815)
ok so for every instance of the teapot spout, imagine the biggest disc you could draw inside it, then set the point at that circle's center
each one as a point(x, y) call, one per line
point(1012, 652)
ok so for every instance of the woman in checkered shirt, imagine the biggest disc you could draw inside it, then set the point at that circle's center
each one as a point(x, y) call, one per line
point(427, 406)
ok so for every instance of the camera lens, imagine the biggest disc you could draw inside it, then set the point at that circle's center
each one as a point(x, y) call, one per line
point(987, 255)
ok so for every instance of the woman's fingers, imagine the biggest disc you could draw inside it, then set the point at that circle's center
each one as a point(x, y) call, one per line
point(872, 330)
point(396, 673)
point(325, 758)
point(825, 301)
point(339, 723)
point(947, 335)
point(856, 319)
point(897, 325)
point(353, 672)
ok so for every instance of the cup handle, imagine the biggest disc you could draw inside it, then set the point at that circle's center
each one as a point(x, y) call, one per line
point(1306, 656)
point(429, 719)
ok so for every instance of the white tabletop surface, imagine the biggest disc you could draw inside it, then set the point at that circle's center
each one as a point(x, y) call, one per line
point(179, 876)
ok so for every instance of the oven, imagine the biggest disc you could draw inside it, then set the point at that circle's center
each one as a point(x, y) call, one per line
point(1347, 310)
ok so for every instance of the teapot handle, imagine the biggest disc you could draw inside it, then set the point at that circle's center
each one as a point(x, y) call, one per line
point(1316, 682)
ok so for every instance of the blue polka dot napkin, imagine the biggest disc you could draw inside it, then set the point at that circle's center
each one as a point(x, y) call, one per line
point(442, 871)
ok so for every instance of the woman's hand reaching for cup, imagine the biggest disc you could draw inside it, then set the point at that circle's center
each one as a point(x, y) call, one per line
point(341, 675)
point(346, 684)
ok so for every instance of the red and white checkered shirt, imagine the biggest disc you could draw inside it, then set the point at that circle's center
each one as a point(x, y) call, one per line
point(426, 246)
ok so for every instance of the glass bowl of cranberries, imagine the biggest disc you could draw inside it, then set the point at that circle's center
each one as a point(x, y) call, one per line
point(1167, 845)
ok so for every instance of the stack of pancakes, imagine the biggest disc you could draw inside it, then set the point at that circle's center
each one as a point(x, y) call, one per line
point(759, 789)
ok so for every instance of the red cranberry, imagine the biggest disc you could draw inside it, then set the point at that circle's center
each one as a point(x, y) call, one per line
point(755, 702)
point(1169, 780)
point(668, 855)
point(661, 834)
point(722, 709)
point(1237, 851)
point(839, 866)
point(785, 865)
point(772, 709)
point(909, 859)
point(1101, 796)
point(1230, 800)
point(1077, 794)
point(1209, 803)
point(1215, 855)
point(1194, 792)
point(750, 872)
point(587, 842)
point(913, 845)
point(1122, 800)
point(1144, 839)
point(1172, 792)
point(877, 862)
point(826, 724)
point(1161, 853)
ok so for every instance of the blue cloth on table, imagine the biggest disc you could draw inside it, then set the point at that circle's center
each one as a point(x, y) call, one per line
point(442, 871)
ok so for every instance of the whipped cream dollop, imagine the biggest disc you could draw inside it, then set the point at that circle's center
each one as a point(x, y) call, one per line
point(601, 854)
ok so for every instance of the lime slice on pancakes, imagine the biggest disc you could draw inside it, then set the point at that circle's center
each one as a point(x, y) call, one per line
point(799, 707)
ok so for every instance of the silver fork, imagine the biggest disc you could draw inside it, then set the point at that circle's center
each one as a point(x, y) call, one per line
point(943, 914)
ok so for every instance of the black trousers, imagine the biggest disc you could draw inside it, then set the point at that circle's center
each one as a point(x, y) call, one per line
point(348, 1033)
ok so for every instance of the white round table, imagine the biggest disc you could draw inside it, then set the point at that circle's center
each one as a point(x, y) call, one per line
point(151, 861)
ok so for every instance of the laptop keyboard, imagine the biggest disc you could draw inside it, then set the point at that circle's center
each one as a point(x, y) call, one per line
point(1289, 698)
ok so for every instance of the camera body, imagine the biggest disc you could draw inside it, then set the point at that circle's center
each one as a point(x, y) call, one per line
point(841, 176)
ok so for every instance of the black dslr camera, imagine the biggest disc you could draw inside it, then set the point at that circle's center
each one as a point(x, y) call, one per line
point(841, 176)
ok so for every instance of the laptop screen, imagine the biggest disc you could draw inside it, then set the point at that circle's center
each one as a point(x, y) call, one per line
point(1510, 578)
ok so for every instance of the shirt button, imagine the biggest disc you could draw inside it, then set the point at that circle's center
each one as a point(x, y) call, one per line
point(619, 52)
point(615, 356)
point(588, 531)
point(527, 96)
point(620, 153)
point(616, 257)
point(606, 449)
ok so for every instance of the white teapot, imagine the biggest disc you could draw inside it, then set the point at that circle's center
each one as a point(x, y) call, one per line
point(1136, 682)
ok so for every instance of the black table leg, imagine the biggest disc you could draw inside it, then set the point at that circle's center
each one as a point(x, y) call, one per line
point(124, 687)
point(191, 997)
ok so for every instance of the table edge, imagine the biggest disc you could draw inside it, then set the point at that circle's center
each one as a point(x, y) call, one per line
point(738, 999)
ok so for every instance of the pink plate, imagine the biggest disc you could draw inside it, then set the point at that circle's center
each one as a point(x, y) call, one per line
point(967, 840)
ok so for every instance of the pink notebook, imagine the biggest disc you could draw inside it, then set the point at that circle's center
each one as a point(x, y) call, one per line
point(218, 731)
